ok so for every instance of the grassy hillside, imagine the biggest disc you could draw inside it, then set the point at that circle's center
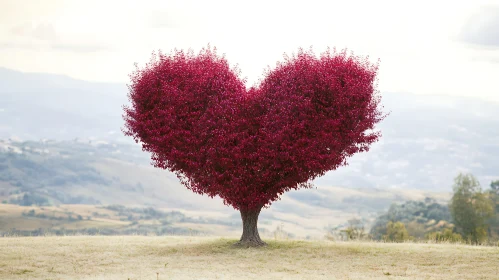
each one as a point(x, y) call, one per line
point(69, 219)
point(92, 173)
point(156, 258)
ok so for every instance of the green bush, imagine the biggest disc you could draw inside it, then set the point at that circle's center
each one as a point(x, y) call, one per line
point(413, 214)
point(396, 232)
point(445, 236)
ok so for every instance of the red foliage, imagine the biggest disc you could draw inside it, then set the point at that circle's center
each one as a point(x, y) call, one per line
point(194, 114)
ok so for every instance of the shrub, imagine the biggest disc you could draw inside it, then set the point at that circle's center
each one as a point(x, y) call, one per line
point(396, 232)
point(445, 236)
point(355, 230)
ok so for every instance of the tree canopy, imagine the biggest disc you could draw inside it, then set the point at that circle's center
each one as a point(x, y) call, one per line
point(196, 117)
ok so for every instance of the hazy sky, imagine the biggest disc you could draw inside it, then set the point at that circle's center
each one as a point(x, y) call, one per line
point(425, 47)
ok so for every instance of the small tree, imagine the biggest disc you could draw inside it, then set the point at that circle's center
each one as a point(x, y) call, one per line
point(470, 208)
point(493, 222)
point(355, 230)
point(197, 119)
point(494, 186)
point(396, 232)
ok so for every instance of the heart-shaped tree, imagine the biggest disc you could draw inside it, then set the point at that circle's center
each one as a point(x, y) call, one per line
point(195, 116)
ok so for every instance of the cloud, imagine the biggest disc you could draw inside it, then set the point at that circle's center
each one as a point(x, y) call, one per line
point(434, 144)
point(459, 128)
point(486, 58)
point(482, 28)
point(396, 164)
point(18, 46)
point(41, 31)
point(79, 48)
point(162, 19)
point(44, 36)
point(76, 48)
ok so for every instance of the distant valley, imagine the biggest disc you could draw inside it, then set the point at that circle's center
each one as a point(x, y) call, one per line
point(40, 174)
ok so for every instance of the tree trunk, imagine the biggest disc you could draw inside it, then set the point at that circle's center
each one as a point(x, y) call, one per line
point(250, 236)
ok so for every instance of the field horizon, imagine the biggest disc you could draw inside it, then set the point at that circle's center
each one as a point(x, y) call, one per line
point(194, 257)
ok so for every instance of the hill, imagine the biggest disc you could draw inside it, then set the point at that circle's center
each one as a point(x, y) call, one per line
point(36, 174)
point(37, 106)
point(426, 141)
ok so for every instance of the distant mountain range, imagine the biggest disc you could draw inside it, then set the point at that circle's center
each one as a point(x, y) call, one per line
point(35, 106)
point(426, 139)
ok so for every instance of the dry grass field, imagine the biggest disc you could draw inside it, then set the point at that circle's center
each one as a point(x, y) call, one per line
point(139, 257)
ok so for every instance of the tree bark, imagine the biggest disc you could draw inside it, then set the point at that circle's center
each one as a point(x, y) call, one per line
point(250, 236)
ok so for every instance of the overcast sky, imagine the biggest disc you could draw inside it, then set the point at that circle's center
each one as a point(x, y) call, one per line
point(425, 47)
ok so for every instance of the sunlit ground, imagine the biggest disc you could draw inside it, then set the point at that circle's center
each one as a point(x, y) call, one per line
point(141, 257)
